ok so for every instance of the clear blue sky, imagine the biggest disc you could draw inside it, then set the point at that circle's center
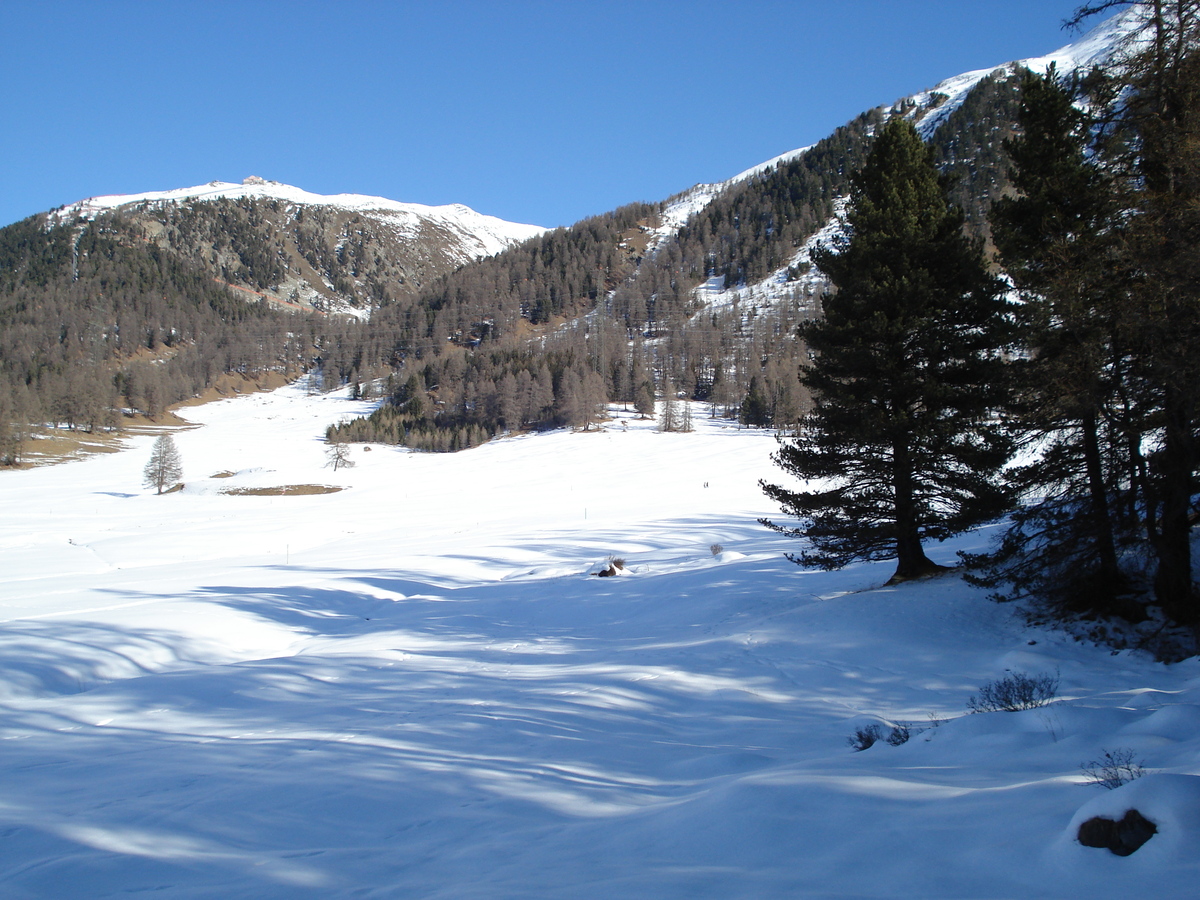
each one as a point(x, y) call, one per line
point(539, 112)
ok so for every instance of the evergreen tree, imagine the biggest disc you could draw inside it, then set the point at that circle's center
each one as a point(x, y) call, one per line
point(165, 466)
point(1153, 151)
point(756, 409)
point(907, 378)
point(1162, 120)
point(1056, 238)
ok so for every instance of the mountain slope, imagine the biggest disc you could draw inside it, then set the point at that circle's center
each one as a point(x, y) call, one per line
point(339, 253)
point(700, 294)
point(932, 111)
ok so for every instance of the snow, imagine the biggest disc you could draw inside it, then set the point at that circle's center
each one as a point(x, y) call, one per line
point(803, 290)
point(412, 687)
point(482, 235)
point(1095, 47)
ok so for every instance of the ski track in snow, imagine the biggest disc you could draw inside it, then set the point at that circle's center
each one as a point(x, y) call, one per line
point(413, 688)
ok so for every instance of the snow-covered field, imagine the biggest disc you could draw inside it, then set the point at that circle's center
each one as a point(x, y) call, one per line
point(412, 688)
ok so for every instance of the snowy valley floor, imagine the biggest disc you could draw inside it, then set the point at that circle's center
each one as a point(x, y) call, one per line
point(412, 688)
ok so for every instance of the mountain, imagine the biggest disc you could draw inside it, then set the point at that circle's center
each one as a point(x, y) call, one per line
point(340, 253)
point(700, 294)
point(484, 326)
point(935, 112)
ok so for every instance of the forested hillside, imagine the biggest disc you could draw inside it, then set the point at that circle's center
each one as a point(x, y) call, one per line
point(145, 304)
point(93, 320)
point(608, 310)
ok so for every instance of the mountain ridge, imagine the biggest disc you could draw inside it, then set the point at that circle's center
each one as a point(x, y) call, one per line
point(493, 234)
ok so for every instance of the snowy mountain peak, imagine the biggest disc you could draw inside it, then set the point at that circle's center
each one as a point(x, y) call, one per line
point(490, 234)
point(932, 106)
point(344, 253)
point(1095, 47)
point(928, 109)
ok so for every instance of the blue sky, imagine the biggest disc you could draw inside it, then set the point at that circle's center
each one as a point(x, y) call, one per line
point(539, 112)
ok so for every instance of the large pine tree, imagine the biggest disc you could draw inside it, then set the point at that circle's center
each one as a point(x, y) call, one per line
point(907, 375)
point(1162, 121)
point(1058, 238)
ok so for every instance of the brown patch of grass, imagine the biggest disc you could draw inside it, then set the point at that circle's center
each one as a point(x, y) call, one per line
point(284, 490)
point(58, 445)
point(225, 474)
point(233, 385)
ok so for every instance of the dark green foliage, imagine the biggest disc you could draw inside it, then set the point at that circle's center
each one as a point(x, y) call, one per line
point(1103, 239)
point(755, 227)
point(561, 273)
point(1160, 121)
point(29, 253)
point(907, 377)
point(744, 234)
point(460, 399)
point(1056, 238)
point(756, 410)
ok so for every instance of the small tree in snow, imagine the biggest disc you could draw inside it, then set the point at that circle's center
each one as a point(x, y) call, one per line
point(165, 466)
point(337, 455)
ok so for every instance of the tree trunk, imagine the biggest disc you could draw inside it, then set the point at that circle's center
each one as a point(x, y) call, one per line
point(911, 561)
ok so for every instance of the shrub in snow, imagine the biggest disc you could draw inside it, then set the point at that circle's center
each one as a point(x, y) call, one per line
point(1113, 769)
point(716, 549)
point(868, 735)
point(615, 565)
point(899, 734)
point(1015, 692)
point(865, 736)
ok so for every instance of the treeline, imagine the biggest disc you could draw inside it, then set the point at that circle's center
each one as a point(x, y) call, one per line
point(1074, 414)
point(465, 396)
point(559, 274)
point(241, 243)
point(755, 227)
point(969, 146)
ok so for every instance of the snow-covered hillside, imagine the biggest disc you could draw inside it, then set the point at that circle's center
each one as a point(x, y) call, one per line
point(1097, 46)
point(481, 235)
point(413, 687)
point(345, 253)
point(929, 109)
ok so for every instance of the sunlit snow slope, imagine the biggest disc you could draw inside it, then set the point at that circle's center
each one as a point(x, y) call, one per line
point(413, 687)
